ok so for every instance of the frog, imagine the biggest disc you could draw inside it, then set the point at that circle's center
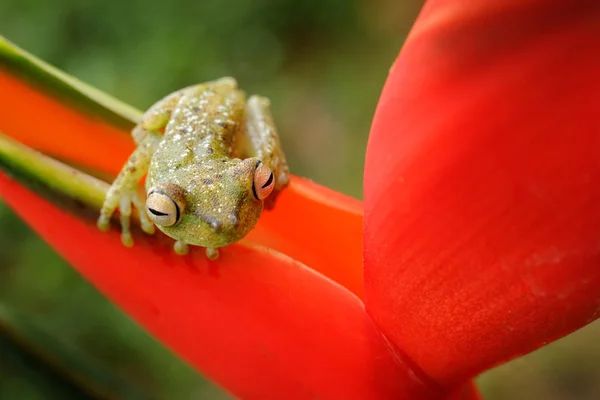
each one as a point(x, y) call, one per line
point(213, 161)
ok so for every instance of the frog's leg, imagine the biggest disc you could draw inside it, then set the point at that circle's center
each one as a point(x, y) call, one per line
point(124, 190)
point(157, 116)
point(265, 143)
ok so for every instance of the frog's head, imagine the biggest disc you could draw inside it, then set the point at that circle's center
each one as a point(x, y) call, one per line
point(212, 204)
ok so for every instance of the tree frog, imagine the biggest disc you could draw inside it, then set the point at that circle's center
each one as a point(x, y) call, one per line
point(213, 159)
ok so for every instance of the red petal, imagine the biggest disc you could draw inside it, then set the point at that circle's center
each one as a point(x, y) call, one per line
point(482, 188)
point(466, 392)
point(260, 324)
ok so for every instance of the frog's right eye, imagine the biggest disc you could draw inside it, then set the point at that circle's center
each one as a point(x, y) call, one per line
point(263, 182)
point(163, 209)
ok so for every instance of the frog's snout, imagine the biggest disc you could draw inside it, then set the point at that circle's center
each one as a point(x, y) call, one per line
point(233, 220)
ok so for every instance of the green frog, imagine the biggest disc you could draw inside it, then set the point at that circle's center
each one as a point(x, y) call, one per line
point(213, 161)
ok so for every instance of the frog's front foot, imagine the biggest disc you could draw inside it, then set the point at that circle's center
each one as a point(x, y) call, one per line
point(183, 248)
point(212, 253)
point(124, 199)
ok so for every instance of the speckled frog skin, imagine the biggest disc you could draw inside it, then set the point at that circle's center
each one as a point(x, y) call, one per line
point(209, 175)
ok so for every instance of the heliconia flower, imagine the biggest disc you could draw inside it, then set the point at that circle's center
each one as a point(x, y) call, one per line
point(481, 217)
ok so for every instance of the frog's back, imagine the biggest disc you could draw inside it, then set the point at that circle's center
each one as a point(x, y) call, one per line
point(204, 124)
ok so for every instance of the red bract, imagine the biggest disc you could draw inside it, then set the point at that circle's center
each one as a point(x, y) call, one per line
point(482, 188)
point(481, 222)
point(259, 323)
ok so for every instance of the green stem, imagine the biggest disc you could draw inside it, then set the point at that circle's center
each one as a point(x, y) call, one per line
point(48, 176)
point(79, 94)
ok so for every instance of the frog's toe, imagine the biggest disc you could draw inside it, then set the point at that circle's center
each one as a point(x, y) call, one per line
point(212, 253)
point(126, 239)
point(145, 222)
point(181, 248)
point(147, 225)
point(103, 223)
point(125, 208)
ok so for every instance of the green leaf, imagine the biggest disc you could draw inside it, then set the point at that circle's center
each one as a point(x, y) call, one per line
point(66, 186)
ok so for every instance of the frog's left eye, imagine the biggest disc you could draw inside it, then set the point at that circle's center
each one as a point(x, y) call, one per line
point(163, 208)
point(264, 181)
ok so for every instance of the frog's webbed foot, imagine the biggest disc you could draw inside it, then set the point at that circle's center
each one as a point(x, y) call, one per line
point(123, 192)
point(124, 199)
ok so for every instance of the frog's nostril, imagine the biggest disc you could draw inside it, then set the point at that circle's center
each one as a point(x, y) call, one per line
point(233, 220)
point(215, 224)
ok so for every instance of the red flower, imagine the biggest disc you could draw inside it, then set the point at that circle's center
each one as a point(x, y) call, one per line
point(482, 188)
point(481, 219)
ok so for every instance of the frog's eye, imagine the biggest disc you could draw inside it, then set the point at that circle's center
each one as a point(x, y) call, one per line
point(162, 208)
point(264, 181)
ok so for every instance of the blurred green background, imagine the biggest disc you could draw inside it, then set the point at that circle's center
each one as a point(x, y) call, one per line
point(322, 62)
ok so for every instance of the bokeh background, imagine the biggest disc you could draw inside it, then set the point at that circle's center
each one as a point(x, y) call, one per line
point(322, 62)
